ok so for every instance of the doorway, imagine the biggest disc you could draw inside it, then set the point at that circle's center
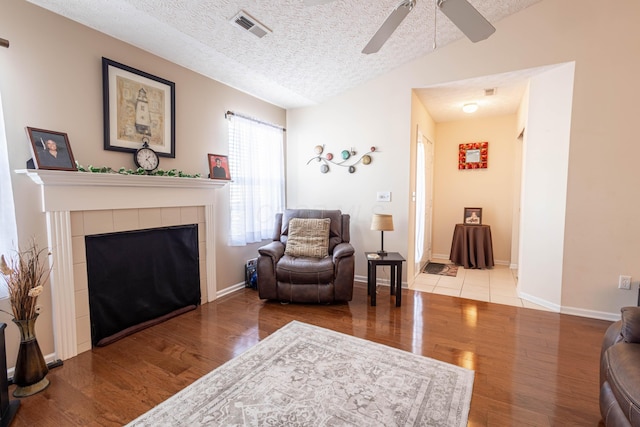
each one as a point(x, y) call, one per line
point(423, 200)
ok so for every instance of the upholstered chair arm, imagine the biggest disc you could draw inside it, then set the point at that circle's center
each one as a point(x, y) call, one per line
point(269, 255)
point(274, 250)
point(344, 262)
point(342, 250)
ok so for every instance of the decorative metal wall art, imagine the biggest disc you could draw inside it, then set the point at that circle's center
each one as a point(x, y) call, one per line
point(348, 158)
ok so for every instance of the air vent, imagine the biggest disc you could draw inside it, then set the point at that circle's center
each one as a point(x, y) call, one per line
point(490, 92)
point(250, 24)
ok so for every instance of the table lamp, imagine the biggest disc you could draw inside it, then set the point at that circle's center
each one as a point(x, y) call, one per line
point(382, 223)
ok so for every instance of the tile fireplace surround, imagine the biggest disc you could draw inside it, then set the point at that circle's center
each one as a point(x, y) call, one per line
point(79, 203)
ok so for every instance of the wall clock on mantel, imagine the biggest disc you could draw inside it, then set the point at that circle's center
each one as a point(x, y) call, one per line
point(146, 158)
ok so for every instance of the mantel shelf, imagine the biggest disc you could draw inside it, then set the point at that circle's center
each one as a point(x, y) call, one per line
point(80, 191)
point(70, 178)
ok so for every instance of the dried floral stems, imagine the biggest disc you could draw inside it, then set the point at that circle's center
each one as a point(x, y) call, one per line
point(25, 276)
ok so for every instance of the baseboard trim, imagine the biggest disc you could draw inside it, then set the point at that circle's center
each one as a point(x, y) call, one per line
point(573, 311)
point(602, 315)
point(231, 289)
point(381, 281)
point(539, 301)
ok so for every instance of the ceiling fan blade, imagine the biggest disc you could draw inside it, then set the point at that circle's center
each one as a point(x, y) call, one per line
point(467, 18)
point(389, 26)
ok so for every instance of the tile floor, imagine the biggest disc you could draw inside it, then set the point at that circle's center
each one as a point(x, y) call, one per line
point(497, 285)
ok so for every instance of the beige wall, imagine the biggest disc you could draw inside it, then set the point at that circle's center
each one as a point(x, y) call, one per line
point(490, 189)
point(601, 181)
point(51, 78)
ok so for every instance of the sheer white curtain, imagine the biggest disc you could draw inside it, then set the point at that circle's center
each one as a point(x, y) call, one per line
point(8, 231)
point(256, 192)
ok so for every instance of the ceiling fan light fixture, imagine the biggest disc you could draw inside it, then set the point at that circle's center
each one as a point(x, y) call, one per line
point(469, 108)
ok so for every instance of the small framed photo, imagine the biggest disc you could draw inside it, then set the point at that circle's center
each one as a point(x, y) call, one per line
point(219, 167)
point(51, 150)
point(473, 216)
point(137, 106)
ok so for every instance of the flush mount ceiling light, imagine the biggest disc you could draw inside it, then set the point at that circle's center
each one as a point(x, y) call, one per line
point(470, 108)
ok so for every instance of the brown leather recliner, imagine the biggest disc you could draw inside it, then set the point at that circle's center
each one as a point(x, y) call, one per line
point(620, 371)
point(305, 279)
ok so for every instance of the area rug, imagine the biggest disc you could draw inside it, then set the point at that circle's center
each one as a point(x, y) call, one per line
point(441, 269)
point(304, 375)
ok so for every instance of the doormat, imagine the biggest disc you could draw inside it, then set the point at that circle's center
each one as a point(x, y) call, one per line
point(441, 269)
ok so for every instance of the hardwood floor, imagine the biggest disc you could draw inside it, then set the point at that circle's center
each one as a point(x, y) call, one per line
point(533, 368)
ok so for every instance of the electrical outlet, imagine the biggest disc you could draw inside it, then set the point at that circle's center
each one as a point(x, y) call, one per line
point(624, 282)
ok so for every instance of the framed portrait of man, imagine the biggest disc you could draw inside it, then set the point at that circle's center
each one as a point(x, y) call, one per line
point(51, 150)
point(219, 167)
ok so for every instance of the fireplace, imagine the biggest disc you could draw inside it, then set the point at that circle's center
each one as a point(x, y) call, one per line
point(139, 278)
point(78, 204)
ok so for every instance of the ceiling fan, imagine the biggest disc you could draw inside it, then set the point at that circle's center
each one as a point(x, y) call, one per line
point(460, 12)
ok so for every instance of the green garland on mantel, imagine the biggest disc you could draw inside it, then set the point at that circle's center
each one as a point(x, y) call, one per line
point(139, 171)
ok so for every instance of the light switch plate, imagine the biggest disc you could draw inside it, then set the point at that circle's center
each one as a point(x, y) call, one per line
point(383, 196)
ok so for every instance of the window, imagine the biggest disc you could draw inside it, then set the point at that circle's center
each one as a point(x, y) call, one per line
point(8, 232)
point(256, 191)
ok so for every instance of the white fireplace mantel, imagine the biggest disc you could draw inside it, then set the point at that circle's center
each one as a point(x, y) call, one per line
point(63, 192)
point(83, 191)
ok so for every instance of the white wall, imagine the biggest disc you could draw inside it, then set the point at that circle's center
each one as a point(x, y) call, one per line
point(545, 161)
point(602, 42)
point(353, 121)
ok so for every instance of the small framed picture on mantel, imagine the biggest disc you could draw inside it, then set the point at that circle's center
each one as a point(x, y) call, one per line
point(219, 167)
point(51, 150)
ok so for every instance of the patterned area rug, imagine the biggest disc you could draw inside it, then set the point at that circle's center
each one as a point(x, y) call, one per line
point(304, 375)
point(441, 269)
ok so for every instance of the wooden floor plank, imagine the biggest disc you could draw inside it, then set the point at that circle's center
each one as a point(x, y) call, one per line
point(533, 368)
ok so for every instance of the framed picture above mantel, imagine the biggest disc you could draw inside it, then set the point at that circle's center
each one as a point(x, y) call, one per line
point(137, 106)
point(473, 155)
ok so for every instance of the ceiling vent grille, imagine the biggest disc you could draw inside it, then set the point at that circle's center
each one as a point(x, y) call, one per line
point(490, 92)
point(250, 24)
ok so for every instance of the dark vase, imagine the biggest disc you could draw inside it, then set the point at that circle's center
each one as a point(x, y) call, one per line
point(30, 374)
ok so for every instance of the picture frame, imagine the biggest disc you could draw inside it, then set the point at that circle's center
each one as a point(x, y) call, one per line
point(473, 155)
point(472, 216)
point(51, 150)
point(219, 167)
point(137, 105)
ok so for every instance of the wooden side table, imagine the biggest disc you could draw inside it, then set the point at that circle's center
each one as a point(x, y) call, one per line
point(392, 259)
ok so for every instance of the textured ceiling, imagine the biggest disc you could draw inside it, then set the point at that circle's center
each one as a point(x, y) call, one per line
point(312, 53)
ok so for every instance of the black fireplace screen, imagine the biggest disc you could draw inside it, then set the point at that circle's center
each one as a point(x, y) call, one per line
point(139, 278)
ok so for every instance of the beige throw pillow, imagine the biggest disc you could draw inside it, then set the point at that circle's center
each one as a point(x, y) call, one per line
point(308, 237)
